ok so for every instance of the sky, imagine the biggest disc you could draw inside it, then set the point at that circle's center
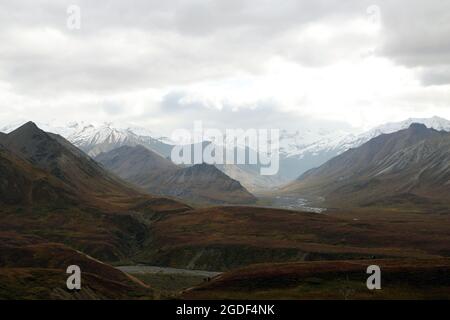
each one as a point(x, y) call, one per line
point(284, 64)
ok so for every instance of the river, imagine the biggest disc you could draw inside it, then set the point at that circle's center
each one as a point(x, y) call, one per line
point(164, 270)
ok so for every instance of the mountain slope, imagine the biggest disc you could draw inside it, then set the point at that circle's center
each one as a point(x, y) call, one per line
point(329, 280)
point(52, 153)
point(413, 164)
point(38, 271)
point(297, 156)
point(23, 184)
point(203, 182)
point(250, 177)
point(131, 163)
point(157, 175)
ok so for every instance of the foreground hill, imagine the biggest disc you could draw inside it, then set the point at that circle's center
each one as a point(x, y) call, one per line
point(411, 166)
point(33, 270)
point(401, 279)
point(224, 238)
point(198, 184)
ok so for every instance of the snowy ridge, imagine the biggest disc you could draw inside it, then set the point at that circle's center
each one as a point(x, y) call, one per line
point(341, 142)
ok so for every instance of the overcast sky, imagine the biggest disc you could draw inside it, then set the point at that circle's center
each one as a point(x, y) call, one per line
point(230, 63)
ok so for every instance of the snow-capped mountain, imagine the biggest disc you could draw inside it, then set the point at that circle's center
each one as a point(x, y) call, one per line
point(340, 141)
point(97, 138)
point(437, 123)
point(299, 157)
point(105, 137)
point(297, 143)
point(354, 141)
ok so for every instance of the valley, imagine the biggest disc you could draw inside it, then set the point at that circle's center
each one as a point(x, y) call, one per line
point(292, 203)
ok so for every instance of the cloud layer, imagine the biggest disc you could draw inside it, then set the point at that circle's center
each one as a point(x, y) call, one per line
point(252, 62)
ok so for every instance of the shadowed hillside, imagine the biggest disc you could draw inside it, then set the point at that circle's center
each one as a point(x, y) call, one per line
point(38, 271)
point(24, 184)
point(342, 280)
point(200, 183)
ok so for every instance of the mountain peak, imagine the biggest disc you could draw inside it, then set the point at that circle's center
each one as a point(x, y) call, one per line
point(28, 126)
point(439, 118)
point(26, 131)
point(418, 126)
point(204, 167)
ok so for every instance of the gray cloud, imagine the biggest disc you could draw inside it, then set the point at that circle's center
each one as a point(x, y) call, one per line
point(436, 75)
point(415, 34)
point(416, 31)
point(113, 107)
point(126, 47)
point(264, 114)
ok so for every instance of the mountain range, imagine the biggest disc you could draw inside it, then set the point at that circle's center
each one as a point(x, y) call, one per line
point(299, 151)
